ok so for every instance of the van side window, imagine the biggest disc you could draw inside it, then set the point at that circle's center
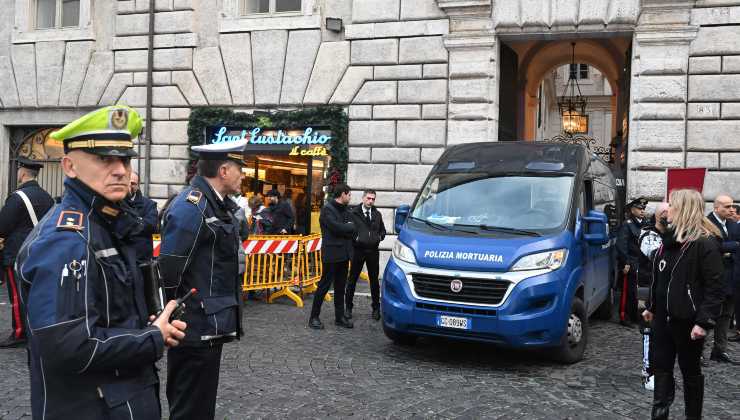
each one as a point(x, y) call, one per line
point(605, 194)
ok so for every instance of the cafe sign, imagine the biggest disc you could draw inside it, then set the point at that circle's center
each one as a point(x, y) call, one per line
point(308, 141)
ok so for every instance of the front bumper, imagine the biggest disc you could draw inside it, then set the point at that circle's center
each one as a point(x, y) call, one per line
point(531, 314)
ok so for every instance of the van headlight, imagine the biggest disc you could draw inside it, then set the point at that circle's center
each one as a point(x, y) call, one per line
point(551, 260)
point(403, 253)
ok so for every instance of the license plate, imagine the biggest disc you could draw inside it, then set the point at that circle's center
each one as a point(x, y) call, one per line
point(457, 322)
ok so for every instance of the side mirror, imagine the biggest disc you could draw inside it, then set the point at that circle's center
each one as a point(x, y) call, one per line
point(402, 212)
point(596, 231)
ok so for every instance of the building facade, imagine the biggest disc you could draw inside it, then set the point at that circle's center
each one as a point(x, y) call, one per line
point(414, 76)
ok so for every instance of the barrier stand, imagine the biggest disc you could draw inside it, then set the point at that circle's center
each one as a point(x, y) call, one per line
point(311, 266)
point(265, 266)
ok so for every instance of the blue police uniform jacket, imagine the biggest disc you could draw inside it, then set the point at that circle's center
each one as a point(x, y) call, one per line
point(15, 222)
point(145, 208)
point(91, 352)
point(199, 249)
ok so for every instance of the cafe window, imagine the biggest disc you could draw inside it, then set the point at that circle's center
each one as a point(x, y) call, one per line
point(56, 14)
point(250, 7)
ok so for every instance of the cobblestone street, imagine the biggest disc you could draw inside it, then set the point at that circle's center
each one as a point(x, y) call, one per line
point(281, 369)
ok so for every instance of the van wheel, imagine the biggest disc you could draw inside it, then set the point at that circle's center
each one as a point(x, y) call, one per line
point(604, 311)
point(575, 338)
point(399, 338)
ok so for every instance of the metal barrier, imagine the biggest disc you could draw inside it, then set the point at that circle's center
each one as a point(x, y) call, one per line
point(273, 262)
point(311, 267)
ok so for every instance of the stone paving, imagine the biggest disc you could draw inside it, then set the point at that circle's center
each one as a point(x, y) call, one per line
point(281, 369)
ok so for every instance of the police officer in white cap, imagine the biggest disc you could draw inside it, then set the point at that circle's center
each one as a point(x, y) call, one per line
point(200, 249)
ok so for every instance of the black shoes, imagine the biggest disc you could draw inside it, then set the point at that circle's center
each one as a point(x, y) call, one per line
point(315, 324)
point(663, 395)
point(12, 342)
point(344, 322)
point(348, 313)
point(376, 314)
point(722, 357)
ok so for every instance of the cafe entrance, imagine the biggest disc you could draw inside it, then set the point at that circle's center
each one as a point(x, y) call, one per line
point(297, 178)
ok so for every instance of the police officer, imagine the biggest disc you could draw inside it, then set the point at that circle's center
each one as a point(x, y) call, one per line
point(145, 208)
point(634, 267)
point(200, 249)
point(22, 211)
point(92, 352)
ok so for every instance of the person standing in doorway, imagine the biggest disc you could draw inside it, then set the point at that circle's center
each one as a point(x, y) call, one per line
point(370, 232)
point(337, 232)
point(685, 296)
point(23, 209)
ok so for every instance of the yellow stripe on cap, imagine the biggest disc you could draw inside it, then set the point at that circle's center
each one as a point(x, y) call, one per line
point(93, 144)
point(235, 156)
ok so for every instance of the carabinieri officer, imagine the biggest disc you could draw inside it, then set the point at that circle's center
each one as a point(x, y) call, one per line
point(200, 249)
point(92, 352)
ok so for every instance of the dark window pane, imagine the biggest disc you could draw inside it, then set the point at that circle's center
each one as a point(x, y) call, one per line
point(46, 11)
point(287, 5)
point(256, 6)
point(584, 71)
point(70, 13)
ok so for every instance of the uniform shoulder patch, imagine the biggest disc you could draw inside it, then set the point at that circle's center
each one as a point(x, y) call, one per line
point(194, 196)
point(70, 220)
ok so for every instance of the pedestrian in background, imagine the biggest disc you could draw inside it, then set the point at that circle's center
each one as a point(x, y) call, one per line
point(337, 232)
point(200, 249)
point(145, 208)
point(23, 210)
point(634, 267)
point(720, 217)
point(281, 214)
point(261, 217)
point(370, 232)
point(735, 338)
point(685, 296)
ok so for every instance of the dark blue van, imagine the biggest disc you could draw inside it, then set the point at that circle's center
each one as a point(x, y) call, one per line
point(510, 243)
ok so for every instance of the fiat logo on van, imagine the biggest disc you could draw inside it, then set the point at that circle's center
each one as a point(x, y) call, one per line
point(456, 285)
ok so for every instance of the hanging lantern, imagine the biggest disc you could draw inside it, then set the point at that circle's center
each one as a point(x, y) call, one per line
point(572, 106)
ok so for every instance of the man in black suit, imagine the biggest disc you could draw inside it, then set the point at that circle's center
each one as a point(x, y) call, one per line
point(24, 208)
point(370, 232)
point(337, 232)
point(720, 217)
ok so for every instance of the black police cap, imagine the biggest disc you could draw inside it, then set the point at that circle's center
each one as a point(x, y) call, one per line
point(24, 162)
point(640, 203)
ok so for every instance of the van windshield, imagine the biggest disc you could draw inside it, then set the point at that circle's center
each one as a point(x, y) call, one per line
point(519, 204)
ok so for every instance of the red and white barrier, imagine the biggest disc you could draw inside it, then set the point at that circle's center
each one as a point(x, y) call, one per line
point(271, 246)
point(313, 245)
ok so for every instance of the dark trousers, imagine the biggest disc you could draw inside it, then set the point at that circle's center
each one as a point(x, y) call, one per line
point(671, 339)
point(18, 332)
point(370, 257)
point(192, 381)
point(723, 325)
point(628, 298)
point(336, 274)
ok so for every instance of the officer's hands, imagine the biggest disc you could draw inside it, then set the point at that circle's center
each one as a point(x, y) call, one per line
point(697, 333)
point(171, 332)
point(626, 269)
point(647, 315)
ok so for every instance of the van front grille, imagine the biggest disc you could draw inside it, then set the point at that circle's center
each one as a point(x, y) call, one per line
point(482, 291)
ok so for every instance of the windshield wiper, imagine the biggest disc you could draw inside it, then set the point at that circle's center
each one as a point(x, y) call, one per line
point(504, 229)
point(440, 226)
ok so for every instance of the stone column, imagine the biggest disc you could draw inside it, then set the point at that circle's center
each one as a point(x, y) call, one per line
point(657, 131)
point(473, 72)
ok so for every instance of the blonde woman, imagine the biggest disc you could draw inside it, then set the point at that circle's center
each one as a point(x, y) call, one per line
point(685, 295)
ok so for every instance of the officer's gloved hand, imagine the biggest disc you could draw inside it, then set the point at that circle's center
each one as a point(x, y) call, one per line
point(172, 332)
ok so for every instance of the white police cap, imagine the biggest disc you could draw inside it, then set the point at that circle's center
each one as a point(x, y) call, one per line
point(229, 150)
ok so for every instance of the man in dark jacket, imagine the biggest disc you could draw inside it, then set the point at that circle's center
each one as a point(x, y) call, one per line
point(634, 267)
point(24, 208)
point(729, 247)
point(370, 232)
point(145, 208)
point(282, 214)
point(337, 231)
point(92, 347)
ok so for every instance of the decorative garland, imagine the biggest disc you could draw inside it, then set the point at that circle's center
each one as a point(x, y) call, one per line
point(330, 117)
